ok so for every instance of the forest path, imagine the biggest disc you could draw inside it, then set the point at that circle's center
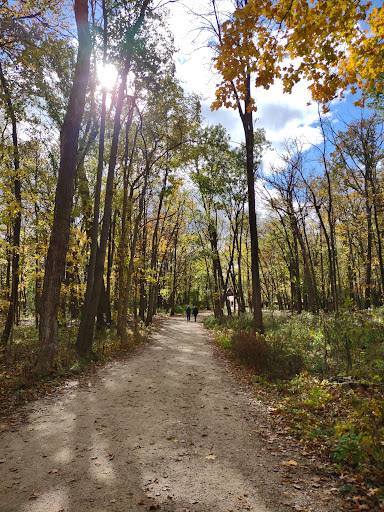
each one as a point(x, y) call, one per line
point(167, 429)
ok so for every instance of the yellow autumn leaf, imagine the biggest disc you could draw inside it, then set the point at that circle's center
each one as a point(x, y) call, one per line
point(290, 463)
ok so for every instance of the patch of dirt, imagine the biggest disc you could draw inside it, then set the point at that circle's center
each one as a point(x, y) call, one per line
point(168, 429)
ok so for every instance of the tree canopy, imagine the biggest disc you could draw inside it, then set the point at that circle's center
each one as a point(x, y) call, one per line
point(333, 45)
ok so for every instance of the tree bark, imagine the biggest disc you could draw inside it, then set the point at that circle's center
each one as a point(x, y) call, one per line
point(247, 120)
point(125, 217)
point(55, 262)
point(86, 328)
point(307, 270)
point(94, 282)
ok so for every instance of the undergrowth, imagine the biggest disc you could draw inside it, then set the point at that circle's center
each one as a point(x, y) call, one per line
point(324, 376)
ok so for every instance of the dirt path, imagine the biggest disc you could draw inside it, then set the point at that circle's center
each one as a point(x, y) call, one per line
point(166, 429)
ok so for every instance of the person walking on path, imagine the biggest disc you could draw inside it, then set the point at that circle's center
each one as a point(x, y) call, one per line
point(195, 311)
point(188, 310)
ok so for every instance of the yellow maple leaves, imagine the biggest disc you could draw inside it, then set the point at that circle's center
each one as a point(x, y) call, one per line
point(336, 44)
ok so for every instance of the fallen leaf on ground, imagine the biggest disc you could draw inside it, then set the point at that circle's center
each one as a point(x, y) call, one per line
point(289, 463)
point(210, 457)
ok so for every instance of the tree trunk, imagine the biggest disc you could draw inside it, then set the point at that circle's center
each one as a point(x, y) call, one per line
point(247, 120)
point(241, 300)
point(155, 242)
point(218, 292)
point(121, 326)
point(174, 275)
point(125, 216)
point(143, 300)
point(86, 328)
point(368, 261)
point(307, 271)
point(13, 300)
point(94, 282)
point(55, 262)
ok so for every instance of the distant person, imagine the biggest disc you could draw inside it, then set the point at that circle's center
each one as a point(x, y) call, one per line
point(188, 310)
point(195, 311)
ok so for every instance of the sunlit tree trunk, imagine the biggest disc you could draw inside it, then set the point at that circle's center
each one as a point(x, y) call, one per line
point(55, 262)
point(174, 274)
point(94, 282)
point(126, 213)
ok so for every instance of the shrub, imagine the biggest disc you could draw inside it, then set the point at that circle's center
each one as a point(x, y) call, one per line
point(266, 355)
point(244, 321)
point(224, 339)
point(348, 449)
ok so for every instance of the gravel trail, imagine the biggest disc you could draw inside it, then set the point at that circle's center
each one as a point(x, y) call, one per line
point(167, 429)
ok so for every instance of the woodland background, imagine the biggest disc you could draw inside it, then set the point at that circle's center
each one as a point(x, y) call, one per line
point(119, 203)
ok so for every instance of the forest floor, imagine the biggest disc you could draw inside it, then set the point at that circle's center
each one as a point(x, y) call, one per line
point(168, 428)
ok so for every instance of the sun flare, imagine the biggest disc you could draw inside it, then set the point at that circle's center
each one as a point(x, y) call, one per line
point(107, 76)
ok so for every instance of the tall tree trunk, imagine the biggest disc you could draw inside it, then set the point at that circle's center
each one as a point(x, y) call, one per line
point(373, 183)
point(335, 284)
point(174, 275)
point(125, 217)
point(368, 261)
point(247, 119)
point(241, 300)
point(96, 210)
point(311, 269)
point(330, 239)
point(307, 271)
point(217, 275)
point(94, 282)
point(86, 328)
point(55, 262)
point(379, 250)
point(155, 245)
point(122, 321)
point(143, 301)
point(110, 258)
point(13, 300)
point(331, 259)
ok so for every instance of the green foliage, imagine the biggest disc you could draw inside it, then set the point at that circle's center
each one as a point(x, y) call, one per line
point(235, 323)
point(336, 414)
point(348, 448)
point(224, 339)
